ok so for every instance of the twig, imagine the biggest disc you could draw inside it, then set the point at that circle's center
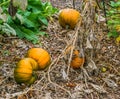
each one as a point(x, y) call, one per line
point(51, 68)
point(25, 91)
point(55, 61)
point(74, 41)
point(6, 78)
point(49, 79)
point(86, 74)
point(3, 80)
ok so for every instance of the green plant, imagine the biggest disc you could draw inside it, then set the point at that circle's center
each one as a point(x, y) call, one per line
point(29, 23)
point(113, 15)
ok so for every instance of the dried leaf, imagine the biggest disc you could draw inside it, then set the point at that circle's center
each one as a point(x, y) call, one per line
point(64, 74)
point(82, 53)
point(3, 16)
point(88, 44)
point(110, 83)
point(92, 68)
point(100, 19)
point(77, 95)
point(99, 89)
point(88, 91)
point(22, 4)
point(98, 46)
point(47, 96)
point(22, 97)
point(94, 4)
point(79, 87)
point(13, 94)
point(92, 37)
point(92, 65)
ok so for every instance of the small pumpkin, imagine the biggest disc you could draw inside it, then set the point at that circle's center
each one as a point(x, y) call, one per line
point(77, 61)
point(41, 56)
point(24, 71)
point(69, 17)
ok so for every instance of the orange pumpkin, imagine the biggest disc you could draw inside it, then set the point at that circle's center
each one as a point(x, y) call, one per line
point(77, 61)
point(69, 17)
point(41, 56)
point(24, 71)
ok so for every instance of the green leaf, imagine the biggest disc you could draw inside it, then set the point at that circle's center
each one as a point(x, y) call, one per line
point(33, 17)
point(48, 9)
point(7, 29)
point(113, 33)
point(20, 17)
point(25, 21)
point(1, 21)
point(43, 20)
point(27, 24)
point(42, 33)
point(30, 35)
point(19, 33)
point(9, 20)
point(23, 32)
point(111, 22)
point(34, 6)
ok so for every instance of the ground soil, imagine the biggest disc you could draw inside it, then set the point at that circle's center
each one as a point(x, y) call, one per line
point(98, 79)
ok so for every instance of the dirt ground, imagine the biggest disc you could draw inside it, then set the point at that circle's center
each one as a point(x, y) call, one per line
point(98, 79)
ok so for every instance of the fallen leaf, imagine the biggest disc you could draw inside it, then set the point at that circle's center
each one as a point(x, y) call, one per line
point(98, 88)
point(88, 91)
point(64, 75)
point(100, 18)
point(88, 44)
point(22, 4)
point(110, 83)
point(47, 96)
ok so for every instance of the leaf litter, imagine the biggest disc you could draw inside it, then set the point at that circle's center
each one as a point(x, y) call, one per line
point(60, 81)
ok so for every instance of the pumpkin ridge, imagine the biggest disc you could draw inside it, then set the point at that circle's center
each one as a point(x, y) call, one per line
point(40, 55)
point(44, 63)
point(69, 17)
point(23, 72)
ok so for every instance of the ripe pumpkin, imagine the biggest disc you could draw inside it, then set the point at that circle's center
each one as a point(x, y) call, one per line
point(24, 71)
point(77, 61)
point(69, 17)
point(41, 56)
